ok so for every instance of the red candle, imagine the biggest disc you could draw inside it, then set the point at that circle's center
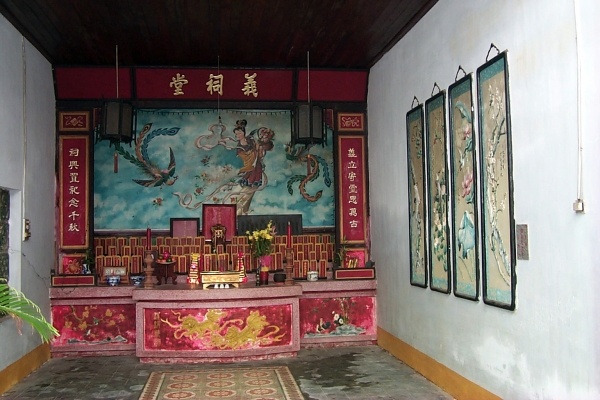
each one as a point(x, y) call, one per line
point(289, 235)
point(148, 238)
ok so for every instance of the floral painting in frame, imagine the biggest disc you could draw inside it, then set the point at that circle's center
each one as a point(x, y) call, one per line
point(463, 175)
point(416, 196)
point(437, 173)
point(498, 241)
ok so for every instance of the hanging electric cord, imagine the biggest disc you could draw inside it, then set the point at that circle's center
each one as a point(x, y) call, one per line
point(24, 62)
point(578, 205)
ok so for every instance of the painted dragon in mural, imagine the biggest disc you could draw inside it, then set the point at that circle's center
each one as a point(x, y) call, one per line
point(312, 161)
point(157, 177)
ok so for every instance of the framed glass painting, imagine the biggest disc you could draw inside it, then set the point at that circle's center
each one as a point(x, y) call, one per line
point(416, 197)
point(437, 192)
point(498, 228)
point(463, 177)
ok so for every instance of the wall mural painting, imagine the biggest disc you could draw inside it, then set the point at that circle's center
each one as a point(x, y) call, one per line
point(338, 316)
point(182, 159)
point(439, 262)
point(463, 167)
point(498, 228)
point(93, 325)
point(218, 329)
point(416, 196)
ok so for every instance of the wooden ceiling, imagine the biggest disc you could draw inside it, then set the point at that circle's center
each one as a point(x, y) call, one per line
point(351, 34)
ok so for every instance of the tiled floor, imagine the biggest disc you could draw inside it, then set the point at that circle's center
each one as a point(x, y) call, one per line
point(333, 373)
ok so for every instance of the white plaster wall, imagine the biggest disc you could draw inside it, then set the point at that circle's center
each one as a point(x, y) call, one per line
point(30, 261)
point(547, 347)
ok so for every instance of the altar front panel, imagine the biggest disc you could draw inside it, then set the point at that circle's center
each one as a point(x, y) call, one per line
point(337, 317)
point(237, 328)
point(248, 328)
point(338, 313)
point(93, 321)
point(94, 324)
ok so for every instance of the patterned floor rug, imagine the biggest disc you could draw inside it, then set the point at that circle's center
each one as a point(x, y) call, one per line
point(265, 383)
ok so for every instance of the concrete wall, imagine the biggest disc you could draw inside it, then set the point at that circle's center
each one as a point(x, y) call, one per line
point(547, 347)
point(27, 155)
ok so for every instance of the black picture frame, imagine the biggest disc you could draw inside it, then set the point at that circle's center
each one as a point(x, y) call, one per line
point(464, 173)
point(436, 160)
point(416, 196)
point(498, 225)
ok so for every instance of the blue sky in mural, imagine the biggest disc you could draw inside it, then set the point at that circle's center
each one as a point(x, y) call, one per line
point(210, 166)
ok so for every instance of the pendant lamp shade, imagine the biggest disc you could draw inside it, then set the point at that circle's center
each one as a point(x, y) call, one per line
point(117, 121)
point(308, 124)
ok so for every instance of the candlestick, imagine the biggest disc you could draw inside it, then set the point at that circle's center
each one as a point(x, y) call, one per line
point(289, 266)
point(149, 270)
point(148, 238)
point(289, 235)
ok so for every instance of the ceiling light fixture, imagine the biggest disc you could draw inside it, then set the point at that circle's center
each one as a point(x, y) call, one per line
point(117, 115)
point(307, 118)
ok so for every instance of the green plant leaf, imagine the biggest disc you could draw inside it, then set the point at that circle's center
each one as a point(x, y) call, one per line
point(15, 304)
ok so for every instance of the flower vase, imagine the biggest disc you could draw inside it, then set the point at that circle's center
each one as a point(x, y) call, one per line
point(264, 277)
point(264, 264)
point(265, 261)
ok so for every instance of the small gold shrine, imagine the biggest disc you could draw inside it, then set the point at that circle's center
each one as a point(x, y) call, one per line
point(212, 278)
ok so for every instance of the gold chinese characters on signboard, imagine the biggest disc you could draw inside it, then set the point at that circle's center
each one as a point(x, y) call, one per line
point(215, 84)
point(177, 82)
point(250, 85)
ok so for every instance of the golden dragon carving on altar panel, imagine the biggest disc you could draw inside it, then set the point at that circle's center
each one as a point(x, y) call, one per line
point(232, 334)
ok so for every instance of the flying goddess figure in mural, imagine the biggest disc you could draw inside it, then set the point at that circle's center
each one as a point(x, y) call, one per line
point(252, 152)
point(251, 149)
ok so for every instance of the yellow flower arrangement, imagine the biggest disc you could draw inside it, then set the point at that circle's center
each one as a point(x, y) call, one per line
point(261, 240)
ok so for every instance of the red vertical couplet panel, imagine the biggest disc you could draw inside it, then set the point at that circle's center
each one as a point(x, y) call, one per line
point(352, 190)
point(74, 191)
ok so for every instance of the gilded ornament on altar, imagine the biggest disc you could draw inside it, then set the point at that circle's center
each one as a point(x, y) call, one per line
point(241, 268)
point(193, 273)
point(209, 278)
point(216, 332)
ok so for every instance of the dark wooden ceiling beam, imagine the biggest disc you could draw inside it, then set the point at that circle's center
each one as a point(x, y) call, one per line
point(235, 33)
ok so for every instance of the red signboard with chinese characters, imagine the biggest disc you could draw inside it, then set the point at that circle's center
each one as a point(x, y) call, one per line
point(74, 189)
point(197, 84)
point(214, 84)
point(352, 190)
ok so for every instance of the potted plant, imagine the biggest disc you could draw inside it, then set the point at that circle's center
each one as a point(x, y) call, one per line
point(339, 258)
point(260, 242)
point(89, 260)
